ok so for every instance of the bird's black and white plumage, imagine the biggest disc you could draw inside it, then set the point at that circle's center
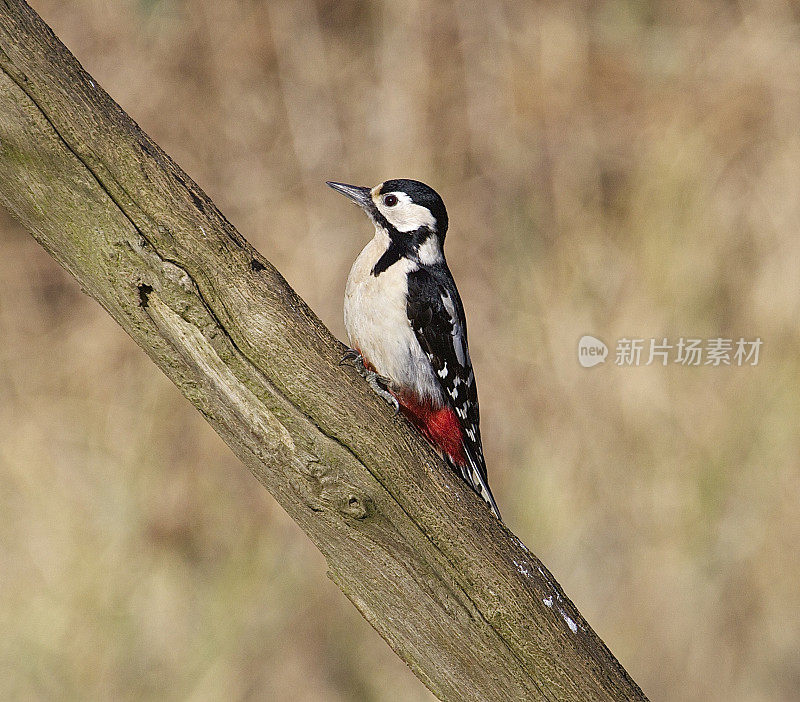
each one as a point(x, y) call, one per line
point(406, 323)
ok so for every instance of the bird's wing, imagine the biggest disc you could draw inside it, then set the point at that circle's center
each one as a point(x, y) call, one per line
point(437, 317)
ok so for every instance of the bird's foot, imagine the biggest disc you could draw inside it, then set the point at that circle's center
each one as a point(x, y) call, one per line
point(378, 383)
point(352, 357)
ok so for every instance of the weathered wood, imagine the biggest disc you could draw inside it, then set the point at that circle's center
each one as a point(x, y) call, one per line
point(458, 597)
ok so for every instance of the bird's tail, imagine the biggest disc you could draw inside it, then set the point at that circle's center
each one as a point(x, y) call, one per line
point(476, 478)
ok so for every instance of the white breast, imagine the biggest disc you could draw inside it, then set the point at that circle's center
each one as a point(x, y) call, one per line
point(377, 323)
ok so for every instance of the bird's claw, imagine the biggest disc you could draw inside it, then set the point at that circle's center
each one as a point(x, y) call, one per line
point(379, 387)
point(378, 383)
point(354, 356)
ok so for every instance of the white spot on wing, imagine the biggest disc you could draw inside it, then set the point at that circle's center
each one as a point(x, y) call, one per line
point(448, 305)
point(460, 348)
point(459, 345)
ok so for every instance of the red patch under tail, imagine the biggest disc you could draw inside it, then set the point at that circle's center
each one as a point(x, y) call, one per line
point(440, 425)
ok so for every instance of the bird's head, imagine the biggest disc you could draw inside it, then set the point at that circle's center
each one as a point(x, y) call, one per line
point(412, 213)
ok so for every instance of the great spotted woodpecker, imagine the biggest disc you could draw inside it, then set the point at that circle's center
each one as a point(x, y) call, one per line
point(406, 324)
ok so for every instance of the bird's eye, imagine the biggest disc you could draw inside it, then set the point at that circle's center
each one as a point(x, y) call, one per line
point(390, 200)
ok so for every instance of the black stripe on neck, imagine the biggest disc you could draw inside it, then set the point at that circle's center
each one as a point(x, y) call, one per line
point(391, 256)
point(402, 245)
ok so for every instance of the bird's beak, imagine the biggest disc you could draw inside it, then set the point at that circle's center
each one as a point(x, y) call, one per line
point(361, 196)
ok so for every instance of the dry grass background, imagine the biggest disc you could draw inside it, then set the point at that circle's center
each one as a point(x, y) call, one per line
point(614, 168)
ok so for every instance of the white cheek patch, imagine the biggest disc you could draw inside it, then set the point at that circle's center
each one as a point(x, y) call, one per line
point(405, 216)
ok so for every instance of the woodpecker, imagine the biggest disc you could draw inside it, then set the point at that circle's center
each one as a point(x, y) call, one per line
point(406, 324)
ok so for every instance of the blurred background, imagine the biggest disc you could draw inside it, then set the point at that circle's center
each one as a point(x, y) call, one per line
point(615, 168)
